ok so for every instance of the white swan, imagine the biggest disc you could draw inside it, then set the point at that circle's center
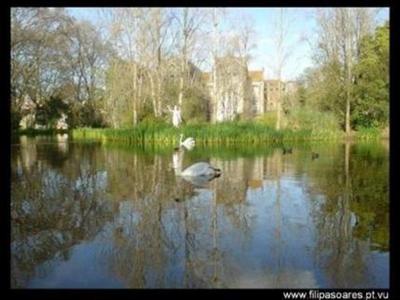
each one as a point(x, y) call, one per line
point(200, 169)
point(188, 143)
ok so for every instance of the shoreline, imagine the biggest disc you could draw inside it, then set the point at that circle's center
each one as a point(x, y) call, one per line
point(209, 134)
point(213, 134)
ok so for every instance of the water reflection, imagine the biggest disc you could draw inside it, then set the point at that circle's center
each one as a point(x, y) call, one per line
point(85, 215)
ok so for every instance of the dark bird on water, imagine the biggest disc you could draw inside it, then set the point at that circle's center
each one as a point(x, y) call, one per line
point(314, 155)
point(287, 150)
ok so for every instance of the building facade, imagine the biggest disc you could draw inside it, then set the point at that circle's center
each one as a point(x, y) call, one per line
point(229, 89)
point(258, 91)
point(236, 91)
point(272, 93)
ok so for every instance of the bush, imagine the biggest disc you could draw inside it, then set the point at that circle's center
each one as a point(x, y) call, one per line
point(15, 118)
point(365, 133)
point(267, 119)
point(195, 105)
point(308, 119)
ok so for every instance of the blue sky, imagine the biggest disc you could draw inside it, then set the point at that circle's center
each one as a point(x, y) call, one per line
point(301, 25)
point(301, 34)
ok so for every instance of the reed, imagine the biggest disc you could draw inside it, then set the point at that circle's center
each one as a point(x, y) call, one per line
point(226, 133)
point(369, 134)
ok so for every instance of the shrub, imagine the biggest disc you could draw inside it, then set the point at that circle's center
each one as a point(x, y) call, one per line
point(306, 118)
point(267, 119)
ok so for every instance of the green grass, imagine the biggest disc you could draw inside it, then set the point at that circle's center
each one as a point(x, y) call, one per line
point(227, 133)
point(369, 134)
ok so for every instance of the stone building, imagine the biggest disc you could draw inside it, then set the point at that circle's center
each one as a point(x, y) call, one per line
point(240, 92)
point(291, 87)
point(272, 93)
point(258, 87)
point(229, 88)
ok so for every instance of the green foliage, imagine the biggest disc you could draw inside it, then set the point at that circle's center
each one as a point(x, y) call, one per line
point(371, 107)
point(194, 102)
point(58, 62)
point(15, 118)
point(322, 90)
point(301, 95)
point(364, 190)
point(146, 111)
point(226, 133)
point(267, 119)
point(323, 87)
point(367, 133)
point(195, 108)
point(96, 87)
point(87, 114)
point(306, 118)
point(49, 112)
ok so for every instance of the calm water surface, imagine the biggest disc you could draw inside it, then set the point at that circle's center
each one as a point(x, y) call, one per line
point(86, 215)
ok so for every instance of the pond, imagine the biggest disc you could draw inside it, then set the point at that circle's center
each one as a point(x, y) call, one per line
point(86, 215)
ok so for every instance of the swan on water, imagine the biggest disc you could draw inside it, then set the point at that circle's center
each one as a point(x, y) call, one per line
point(201, 169)
point(195, 170)
point(287, 150)
point(200, 181)
point(188, 143)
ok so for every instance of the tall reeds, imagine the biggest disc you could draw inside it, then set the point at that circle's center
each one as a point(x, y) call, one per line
point(227, 133)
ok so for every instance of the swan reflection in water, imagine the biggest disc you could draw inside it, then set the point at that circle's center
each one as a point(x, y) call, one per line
point(198, 174)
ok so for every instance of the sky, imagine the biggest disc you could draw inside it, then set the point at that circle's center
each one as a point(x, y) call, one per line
point(301, 35)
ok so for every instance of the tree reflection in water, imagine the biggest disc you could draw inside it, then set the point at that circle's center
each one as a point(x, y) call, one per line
point(269, 221)
point(352, 220)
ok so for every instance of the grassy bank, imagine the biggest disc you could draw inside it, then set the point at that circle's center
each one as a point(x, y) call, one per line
point(214, 134)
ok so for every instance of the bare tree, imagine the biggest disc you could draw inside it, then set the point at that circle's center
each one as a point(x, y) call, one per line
point(141, 38)
point(215, 52)
point(190, 21)
point(341, 31)
point(282, 52)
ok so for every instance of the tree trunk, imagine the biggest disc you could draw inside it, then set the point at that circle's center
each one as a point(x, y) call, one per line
point(134, 114)
point(180, 97)
point(215, 104)
point(135, 95)
point(278, 107)
point(139, 95)
point(346, 215)
point(348, 113)
point(159, 87)
point(348, 92)
point(184, 55)
point(153, 95)
point(215, 92)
